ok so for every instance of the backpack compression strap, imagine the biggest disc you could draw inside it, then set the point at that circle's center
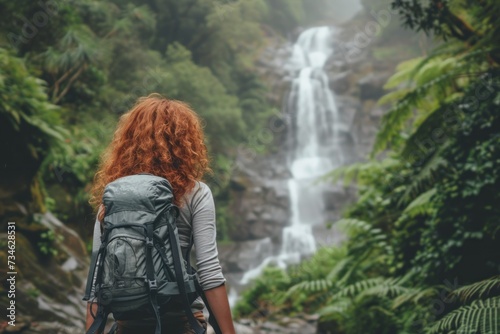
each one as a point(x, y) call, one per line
point(90, 277)
point(102, 313)
point(180, 281)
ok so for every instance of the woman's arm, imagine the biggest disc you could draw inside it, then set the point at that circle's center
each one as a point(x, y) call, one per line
point(90, 319)
point(217, 298)
point(207, 261)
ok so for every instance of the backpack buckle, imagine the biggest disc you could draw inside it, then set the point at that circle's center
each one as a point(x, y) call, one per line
point(149, 242)
point(152, 285)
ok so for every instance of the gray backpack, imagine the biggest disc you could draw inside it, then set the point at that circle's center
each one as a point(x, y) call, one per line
point(139, 269)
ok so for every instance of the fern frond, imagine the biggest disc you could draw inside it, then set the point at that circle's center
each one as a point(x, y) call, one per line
point(482, 316)
point(393, 96)
point(355, 289)
point(478, 290)
point(372, 237)
point(415, 296)
point(395, 119)
point(349, 224)
point(389, 288)
point(446, 49)
point(425, 139)
point(425, 176)
point(357, 171)
point(404, 72)
point(421, 205)
point(315, 286)
point(339, 267)
point(339, 307)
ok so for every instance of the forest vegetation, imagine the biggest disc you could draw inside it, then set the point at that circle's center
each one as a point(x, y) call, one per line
point(422, 250)
point(70, 68)
point(422, 253)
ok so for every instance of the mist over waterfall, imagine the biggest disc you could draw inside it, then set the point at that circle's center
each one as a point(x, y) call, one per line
point(313, 145)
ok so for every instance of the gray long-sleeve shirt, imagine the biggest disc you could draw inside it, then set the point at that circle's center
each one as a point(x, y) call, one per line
point(197, 216)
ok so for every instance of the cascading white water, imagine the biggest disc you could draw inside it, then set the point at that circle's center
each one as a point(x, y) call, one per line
point(313, 143)
point(314, 148)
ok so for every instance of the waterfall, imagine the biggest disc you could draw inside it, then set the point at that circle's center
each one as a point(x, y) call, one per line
point(313, 142)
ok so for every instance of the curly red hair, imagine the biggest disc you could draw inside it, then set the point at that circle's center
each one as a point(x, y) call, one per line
point(158, 136)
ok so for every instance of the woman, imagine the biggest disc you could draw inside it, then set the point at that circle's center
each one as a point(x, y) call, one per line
point(165, 138)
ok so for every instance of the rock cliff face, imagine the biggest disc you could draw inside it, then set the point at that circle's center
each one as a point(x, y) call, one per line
point(51, 263)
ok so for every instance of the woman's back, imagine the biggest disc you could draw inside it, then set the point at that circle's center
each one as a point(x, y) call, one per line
point(164, 137)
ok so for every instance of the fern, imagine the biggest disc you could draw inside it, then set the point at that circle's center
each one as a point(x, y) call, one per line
point(339, 307)
point(311, 286)
point(422, 205)
point(426, 134)
point(395, 119)
point(339, 267)
point(481, 316)
point(424, 177)
point(415, 296)
point(390, 288)
point(478, 290)
point(371, 235)
point(356, 288)
point(433, 78)
point(358, 171)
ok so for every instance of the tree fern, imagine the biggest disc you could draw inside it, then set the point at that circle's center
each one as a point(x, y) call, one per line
point(394, 121)
point(431, 78)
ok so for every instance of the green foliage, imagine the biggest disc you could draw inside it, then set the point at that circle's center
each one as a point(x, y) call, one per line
point(264, 294)
point(97, 57)
point(199, 87)
point(25, 112)
point(427, 214)
point(293, 290)
point(47, 243)
point(481, 315)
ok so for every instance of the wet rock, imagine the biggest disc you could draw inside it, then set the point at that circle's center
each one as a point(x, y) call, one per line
point(243, 255)
point(340, 82)
point(311, 318)
point(259, 199)
point(371, 87)
point(49, 287)
point(242, 329)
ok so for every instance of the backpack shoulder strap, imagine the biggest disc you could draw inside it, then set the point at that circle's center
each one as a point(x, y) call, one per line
point(177, 258)
point(90, 277)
